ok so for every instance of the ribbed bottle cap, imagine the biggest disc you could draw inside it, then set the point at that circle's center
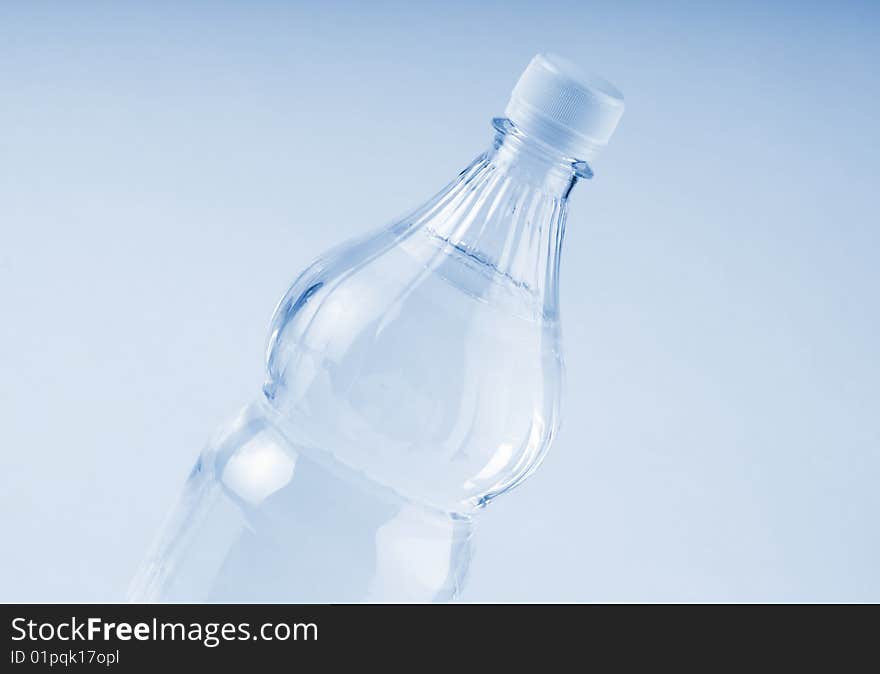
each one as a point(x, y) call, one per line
point(572, 111)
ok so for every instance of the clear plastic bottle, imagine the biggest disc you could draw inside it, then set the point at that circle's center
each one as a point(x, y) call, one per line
point(412, 377)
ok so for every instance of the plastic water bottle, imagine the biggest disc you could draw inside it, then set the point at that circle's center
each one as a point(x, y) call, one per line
point(412, 377)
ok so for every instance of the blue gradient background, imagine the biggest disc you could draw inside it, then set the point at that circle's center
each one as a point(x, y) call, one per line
point(166, 171)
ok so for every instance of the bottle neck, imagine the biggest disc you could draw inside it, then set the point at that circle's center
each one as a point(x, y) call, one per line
point(528, 160)
point(506, 212)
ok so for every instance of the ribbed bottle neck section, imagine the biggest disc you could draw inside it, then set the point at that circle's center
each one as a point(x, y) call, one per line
point(512, 225)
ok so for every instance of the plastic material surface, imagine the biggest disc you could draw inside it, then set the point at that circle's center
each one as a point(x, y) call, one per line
point(412, 377)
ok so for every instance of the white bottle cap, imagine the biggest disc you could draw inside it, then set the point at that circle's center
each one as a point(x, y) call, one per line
point(558, 104)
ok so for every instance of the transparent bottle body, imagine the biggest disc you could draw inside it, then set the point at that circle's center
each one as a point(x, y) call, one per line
point(412, 376)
